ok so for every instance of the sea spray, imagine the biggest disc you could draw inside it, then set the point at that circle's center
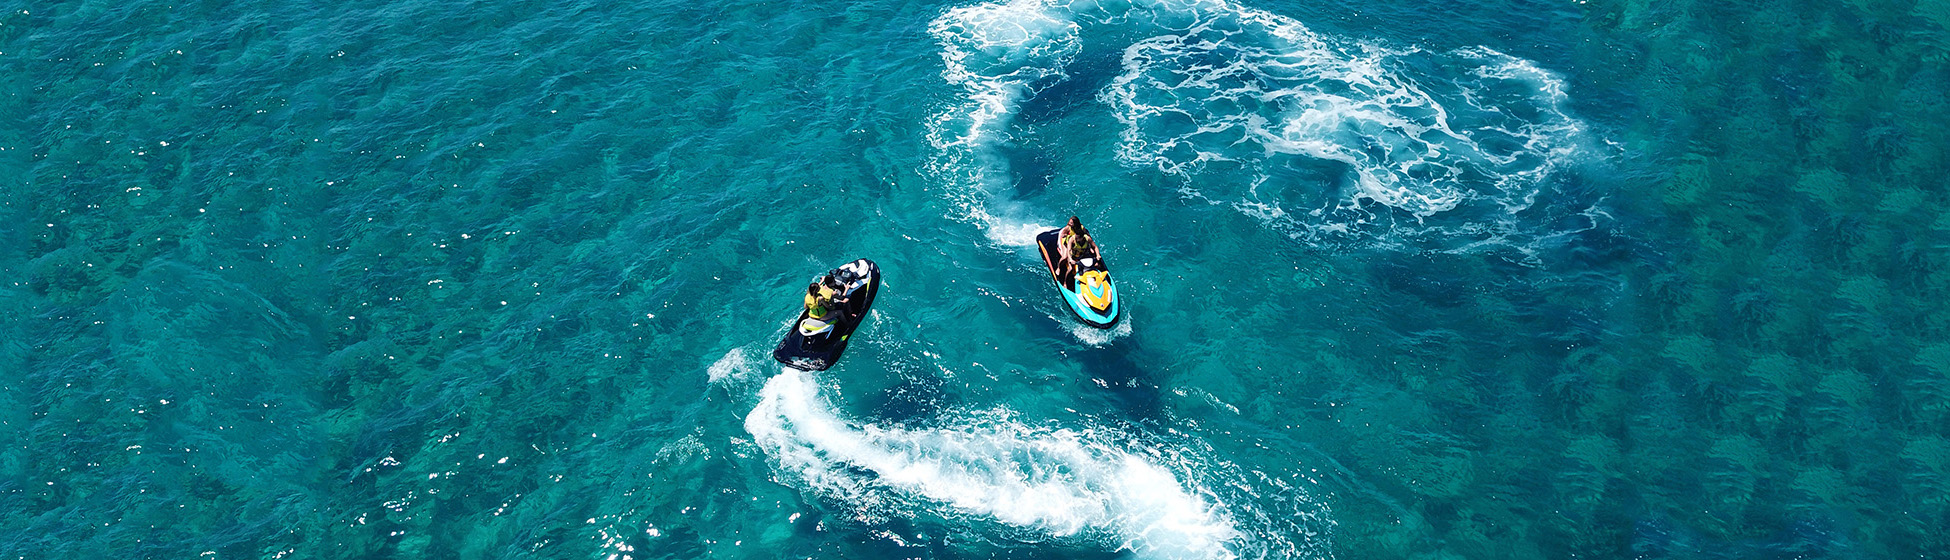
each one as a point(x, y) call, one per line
point(998, 54)
point(1090, 335)
point(1317, 137)
point(992, 470)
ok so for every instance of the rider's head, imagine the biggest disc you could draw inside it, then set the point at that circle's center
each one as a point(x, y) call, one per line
point(1075, 225)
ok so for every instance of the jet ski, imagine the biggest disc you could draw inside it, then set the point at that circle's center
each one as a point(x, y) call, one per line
point(1089, 294)
point(816, 344)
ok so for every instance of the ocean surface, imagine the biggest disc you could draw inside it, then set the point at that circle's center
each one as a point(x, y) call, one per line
point(1494, 279)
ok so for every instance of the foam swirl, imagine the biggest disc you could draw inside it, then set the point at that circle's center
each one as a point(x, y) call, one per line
point(1030, 484)
point(1314, 135)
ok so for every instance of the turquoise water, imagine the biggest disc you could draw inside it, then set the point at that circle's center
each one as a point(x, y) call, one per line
point(1605, 279)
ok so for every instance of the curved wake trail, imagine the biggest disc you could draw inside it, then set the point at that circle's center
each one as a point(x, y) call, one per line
point(1312, 135)
point(999, 53)
point(992, 473)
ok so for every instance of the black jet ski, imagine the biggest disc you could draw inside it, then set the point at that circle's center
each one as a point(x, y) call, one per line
point(815, 344)
point(1089, 294)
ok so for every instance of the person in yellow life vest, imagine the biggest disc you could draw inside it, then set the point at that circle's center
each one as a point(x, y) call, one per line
point(823, 301)
point(1073, 244)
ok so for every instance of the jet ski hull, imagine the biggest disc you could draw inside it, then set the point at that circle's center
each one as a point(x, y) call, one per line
point(1077, 295)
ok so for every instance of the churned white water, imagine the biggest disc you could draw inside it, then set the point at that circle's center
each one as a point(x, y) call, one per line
point(1313, 135)
point(992, 470)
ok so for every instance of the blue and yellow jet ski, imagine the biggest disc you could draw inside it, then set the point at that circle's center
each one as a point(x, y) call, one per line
point(815, 344)
point(1089, 294)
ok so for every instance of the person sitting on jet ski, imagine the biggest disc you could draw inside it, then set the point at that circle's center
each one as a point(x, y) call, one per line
point(824, 299)
point(1073, 244)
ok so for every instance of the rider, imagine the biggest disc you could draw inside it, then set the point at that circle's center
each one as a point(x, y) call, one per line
point(1073, 244)
point(825, 298)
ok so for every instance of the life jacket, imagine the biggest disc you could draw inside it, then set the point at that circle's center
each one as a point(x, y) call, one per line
point(1078, 245)
point(818, 306)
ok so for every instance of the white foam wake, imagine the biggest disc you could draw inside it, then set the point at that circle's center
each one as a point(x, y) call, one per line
point(732, 367)
point(1311, 134)
point(1092, 335)
point(997, 53)
point(1034, 484)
